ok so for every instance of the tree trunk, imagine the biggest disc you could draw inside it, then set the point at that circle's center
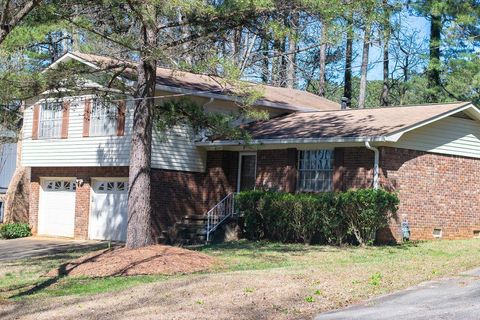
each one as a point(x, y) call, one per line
point(12, 14)
point(386, 59)
point(236, 46)
point(139, 230)
point(364, 68)
point(265, 62)
point(433, 73)
point(347, 88)
point(184, 34)
point(323, 61)
point(292, 49)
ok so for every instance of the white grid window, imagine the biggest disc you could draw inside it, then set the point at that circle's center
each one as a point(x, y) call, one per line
point(315, 169)
point(50, 122)
point(104, 118)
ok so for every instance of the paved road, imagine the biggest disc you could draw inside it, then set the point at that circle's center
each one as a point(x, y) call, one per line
point(455, 298)
point(36, 247)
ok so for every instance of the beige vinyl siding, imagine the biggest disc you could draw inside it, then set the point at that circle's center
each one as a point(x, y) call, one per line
point(451, 135)
point(176, 152)
point(76, 150)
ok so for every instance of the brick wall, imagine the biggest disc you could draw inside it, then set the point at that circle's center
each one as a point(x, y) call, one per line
point(176, 194)
point(82, 204)
point(436, 191)
point(277, 169)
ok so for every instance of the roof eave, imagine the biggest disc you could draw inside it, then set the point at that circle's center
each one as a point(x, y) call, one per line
point(396, 135)
point(291, 141)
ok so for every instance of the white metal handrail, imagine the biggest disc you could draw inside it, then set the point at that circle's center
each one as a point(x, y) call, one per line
point(219, 213)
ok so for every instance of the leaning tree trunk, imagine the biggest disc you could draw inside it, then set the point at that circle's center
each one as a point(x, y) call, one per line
point(139, 230)
point(384, 101)
point(323, 61)
point(363, 70)
point(433, 74)
point(347, 87)
point(292, 50)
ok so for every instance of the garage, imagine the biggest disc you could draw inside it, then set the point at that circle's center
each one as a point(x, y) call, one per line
point(108, 210)
point(56, 215)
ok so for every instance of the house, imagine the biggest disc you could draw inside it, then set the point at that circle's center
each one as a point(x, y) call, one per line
point(79, 156)
point(8, 163)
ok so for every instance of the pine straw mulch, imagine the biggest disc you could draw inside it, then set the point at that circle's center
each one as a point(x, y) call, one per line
point(156, 259)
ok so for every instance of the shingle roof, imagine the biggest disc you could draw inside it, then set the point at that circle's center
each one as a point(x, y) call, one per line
point(373, 122)
point(296, 100)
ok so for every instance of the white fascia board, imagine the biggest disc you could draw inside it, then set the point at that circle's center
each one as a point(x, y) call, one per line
point(161, 87)
point(68, 56)
point(395, 136)
point(210, 94)
point(290, 141)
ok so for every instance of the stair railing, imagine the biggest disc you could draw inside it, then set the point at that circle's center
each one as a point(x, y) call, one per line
point(219, 213)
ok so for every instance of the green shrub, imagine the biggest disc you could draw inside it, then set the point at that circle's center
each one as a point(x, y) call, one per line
point(14, 230)
point(368, 210)
point(315, 218)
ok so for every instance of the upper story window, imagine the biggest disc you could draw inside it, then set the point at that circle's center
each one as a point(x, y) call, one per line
point(50, 122)
point(104, 118)
point(315, 169)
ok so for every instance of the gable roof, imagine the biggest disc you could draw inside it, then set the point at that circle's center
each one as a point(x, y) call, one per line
point(174, 81)
point(376, 124)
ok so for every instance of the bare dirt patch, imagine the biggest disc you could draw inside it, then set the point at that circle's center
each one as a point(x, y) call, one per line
point(156, 259)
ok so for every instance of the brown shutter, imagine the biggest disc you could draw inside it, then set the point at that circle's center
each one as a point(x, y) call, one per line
point(36, 118)
point(86, 117)
point(338, 169)
point(121, 118)
point(65, 119)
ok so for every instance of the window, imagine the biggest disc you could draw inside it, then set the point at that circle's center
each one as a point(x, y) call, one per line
point(315, 170)
point(104, 118)
point(59, 185)
point(50, 122)
point(112, 186)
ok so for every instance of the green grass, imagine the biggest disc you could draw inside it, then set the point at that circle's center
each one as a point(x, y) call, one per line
point(370, 270)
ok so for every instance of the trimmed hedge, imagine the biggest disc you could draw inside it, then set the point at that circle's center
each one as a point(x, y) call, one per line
point(14, 230)
point(316, 218)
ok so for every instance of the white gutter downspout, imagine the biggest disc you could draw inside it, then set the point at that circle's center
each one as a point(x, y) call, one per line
point(375, 164)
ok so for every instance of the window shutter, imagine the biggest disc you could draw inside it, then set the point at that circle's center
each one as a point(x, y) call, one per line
point(121, 118)
point(65, 119)
point(86, 117)
point(36, 119)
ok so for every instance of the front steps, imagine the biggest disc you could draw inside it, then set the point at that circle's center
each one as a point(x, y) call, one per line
point(190, 230)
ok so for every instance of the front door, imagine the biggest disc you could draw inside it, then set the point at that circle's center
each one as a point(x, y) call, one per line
point(247, 171)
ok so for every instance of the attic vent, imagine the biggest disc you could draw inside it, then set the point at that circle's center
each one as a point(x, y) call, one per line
point(437, 233)
point(476, 233)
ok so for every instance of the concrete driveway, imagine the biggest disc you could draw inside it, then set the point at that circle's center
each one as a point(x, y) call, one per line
point(36, 247)
point(454, 298)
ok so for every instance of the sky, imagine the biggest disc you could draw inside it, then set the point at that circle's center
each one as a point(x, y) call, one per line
point(376, 54)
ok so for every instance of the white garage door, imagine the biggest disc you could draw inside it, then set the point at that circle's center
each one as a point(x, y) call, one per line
point(108, 213)
point(56, 216)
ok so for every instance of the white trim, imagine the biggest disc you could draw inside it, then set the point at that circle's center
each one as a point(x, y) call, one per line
point(395, 136)
point(207, 94)
point(239, 173)
point(232, 98)
point(289, 141)
point(392, 137)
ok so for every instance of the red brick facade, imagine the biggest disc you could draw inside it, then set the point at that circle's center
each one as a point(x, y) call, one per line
point(277, 169)
point(436, 191)
point(176, 193)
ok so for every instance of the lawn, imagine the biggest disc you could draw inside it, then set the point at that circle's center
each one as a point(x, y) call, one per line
point(255, 280)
